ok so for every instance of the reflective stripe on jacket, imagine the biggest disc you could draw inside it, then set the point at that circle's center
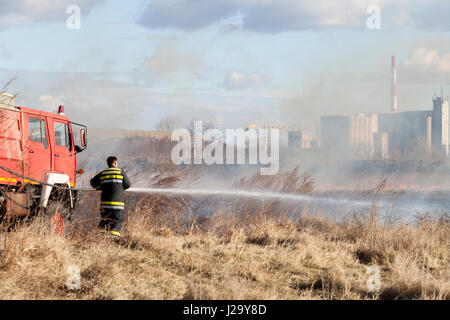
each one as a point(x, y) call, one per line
point(112, 182)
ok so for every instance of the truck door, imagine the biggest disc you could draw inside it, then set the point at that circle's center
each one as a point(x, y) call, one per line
point(64, 159)
point(37, 147)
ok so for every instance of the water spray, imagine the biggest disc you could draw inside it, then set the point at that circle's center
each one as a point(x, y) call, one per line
point(252, 194)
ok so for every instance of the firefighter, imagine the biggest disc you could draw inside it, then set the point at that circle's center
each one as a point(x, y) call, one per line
point(112, 182)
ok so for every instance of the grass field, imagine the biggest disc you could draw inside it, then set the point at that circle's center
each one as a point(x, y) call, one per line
point(249, 251)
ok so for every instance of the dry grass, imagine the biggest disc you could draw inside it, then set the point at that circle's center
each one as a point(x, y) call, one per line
point(223, 257)
point(246, 250)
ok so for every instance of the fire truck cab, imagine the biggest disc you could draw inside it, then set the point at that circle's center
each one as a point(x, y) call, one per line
point(37, 146)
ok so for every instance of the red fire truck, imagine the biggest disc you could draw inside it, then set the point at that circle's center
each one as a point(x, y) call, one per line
point(39, 151)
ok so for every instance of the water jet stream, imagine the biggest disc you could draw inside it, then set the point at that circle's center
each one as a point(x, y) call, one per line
point(252, 194)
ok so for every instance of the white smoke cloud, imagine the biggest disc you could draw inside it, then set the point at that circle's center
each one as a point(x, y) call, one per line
point(169, 64)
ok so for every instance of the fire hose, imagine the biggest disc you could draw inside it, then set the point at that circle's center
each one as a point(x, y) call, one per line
point(4, 194)
point(56, 221)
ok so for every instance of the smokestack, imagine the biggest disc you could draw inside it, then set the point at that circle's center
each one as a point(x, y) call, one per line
point(394, 85)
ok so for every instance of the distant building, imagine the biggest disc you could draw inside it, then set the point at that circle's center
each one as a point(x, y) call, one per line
point(349, 136)
point(375, 135)
point(284, 137)
point(381, 146)
point(289, 137)
point(403, 127)
point(439, 124)
point(300, 139)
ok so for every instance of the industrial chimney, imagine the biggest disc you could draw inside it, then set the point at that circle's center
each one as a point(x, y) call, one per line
point(394, 85)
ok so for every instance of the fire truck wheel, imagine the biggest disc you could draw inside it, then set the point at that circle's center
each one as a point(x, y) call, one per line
point(57, 215)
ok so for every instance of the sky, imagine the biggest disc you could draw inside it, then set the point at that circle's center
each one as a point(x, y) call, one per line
point(234, 62)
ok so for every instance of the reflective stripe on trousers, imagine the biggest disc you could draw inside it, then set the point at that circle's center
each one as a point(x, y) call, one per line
point(108, 206)
point(111, 180)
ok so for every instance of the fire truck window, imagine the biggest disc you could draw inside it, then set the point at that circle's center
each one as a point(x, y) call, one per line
point(62, 134)
point(36, 131)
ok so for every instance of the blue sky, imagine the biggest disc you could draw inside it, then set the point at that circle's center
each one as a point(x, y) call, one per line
point(231, 61)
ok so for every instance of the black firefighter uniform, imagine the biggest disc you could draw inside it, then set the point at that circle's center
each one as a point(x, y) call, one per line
point(112, 182)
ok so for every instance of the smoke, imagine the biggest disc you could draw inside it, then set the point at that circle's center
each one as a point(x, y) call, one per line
point(88, 99)
point(169, 65)
point(338, 91)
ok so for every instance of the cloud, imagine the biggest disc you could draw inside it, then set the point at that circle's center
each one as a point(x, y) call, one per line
point(15, 12)
point(428, 65)
point(258, 15)
point(238, 81)
point(267, 16)
point(184, 14)
point(270, 16)
point(276, 16)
